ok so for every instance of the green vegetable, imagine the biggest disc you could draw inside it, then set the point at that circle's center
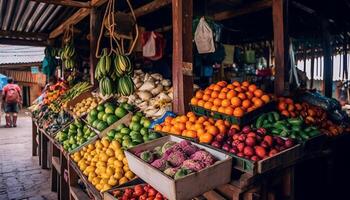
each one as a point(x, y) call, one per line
point(276, 116)
point(260, 121)
point(295, 122)
point(181, 173)
point(147, 156)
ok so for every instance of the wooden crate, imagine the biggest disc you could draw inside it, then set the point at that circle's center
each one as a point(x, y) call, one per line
point(186, 187)
point(246, 119)
point(125, 120)
point(109, 196)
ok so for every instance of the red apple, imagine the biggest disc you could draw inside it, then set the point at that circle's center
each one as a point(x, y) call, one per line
point(226, 147)
point(234, 150)
point(250, 141)
point(260, 151)
point(235, 136)
point(220, 137)
point(273, 152)
point(240, 154)
point(240, 147)
point(289, 143)
point(268, 139)
point(254, 158)
point(251, 134)
point(265, 144)
point(246, 129)
point(258, 138)
point(235, 143)
point(248, 151)
point(216, 144)
point(261, 131)
point(242, 138)
point(231, 132)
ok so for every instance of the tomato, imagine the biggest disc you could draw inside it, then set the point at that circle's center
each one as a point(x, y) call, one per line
point(150, 198)
point(159, 195)
point(152, 192)
point(146, 187)
point(117, 193)
point(128, 191)
point(143, 197)
point(139, 190)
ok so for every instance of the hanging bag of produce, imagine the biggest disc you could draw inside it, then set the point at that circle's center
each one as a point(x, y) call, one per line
point(160, 46)
point(149, 48)
point(203, 37)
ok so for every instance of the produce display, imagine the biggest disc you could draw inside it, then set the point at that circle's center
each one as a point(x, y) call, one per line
point(251, 144)
point(192, 126)
point(85, 106)
point(153, 94)
point(75, 135)
point(104, 164)
point(312, 115)
point(141, 192)
point(178, 159)
point(291, 127)
point(134, 134)
point(54, 91)
point(234, 99)
point(106, 114)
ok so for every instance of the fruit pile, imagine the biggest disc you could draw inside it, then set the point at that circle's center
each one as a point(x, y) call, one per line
point(54, 91)
point(190, 125)
point(294, 128)
point(75, 135)
point(106, 114)
point(51, 121)
point(231, 99)
point(138, 192)
point(288, 108)
point(178, 159)
point(104, 164)
point(134, 134)
point(85, 106)
point(251, 144)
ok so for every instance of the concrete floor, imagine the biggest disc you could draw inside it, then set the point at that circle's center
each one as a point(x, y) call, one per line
point(20, 174)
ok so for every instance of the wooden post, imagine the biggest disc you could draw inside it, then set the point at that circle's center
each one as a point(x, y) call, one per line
point(182, 54)
point(312, 66)
point(34, 135)
point(328, 64)
point(94, 22)
point(280, 25)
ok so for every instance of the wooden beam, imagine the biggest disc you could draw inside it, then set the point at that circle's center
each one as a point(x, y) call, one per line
point(75, 18)
point(18, 34)
point(23, 42)
point(69, 3)
point(20, 65)
point(95, 23)
point(151, 7)
point(246, 9)
point(328, 63)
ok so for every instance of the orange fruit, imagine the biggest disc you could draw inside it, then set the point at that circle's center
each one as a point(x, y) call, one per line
point(168, 119)
point(201, 103)
point(194, 101)
point(213, 130)
point(245, 83)
point(192, 118)
point(206, 123)
point(230, 86)
point(238, 112)
point(208, 91)
point(180, 126)
point(221, 83)
point(250, 109)
point(199, 94)
point(258, 93)
point(217, 88)
point(214, 108)
point(235, 101)
point(225, 103)
point(166, 129)
point(282, 106)
point(189, 125)
point(205, 138)
point(211, 100)
point(225, 90)
point(208, 105)
point(158, 128)
point(219, 121)
point(229, 110)
point(211, 120)
point(206, 97)
point(227, 123)
point(198, 126)
point(242, 96)
point(200, 132)
point(249, 95)
point(236, 83)
point(252, 88)
point(265, 98)
point(246, 103)
point(238, 89)
point(201, 119)
point(183, 119)
point(230, 94)
point(215, 94)
point(244, 88)
point(217, 102)
point(211, 86)
point(221, 109)
point(189, 114)
point(222, 95)
point(222, 129)
point(258, 103)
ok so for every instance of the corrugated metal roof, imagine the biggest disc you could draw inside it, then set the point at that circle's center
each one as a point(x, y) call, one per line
point(10, 54)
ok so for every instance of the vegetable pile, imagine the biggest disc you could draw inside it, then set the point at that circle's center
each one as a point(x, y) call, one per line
point(234, 99)
point(251, 144)
point(54, 91)
point(104, 164)
point(192, 126)
point(85, 106)
point(140, 192)
point(153, 94)
point(178, 159)
point(134, 134)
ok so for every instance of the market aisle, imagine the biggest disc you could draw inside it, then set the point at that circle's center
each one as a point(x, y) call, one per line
point(20, 174)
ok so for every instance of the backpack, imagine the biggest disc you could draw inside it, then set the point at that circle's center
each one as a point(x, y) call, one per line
point(12, 95)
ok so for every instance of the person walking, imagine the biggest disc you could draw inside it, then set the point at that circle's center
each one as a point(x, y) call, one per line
point(12, 98)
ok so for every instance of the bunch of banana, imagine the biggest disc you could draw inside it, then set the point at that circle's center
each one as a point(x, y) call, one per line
point(105, 86)
point(122, 65)
point(126, 86)
point(103, 66)
point(68, 55)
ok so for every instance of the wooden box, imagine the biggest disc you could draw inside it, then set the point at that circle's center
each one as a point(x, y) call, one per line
point(187, 187)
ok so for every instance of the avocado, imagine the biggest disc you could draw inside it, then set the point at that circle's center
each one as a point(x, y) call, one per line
point(125, 131)
point(154, 135)
point(136, 127)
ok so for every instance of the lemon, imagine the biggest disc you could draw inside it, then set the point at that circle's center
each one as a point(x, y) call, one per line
point(118, 163)
point(105, 142)
point(85, 172)
point(90, 169)
point(118, 175)
point(115, 145)
point(112, 181)
point(123, 180)
point(83, 167)
point(118, 152)
point(101, 164)
point(120, 157)
point(106, 187)
point(103, 157)
point(99, 186)
point(104, 181)
point(129, 175)
point(125, 161)
point(111, 160)
point(105, 175)
point(89, 158)
point(110, 152)
point(91, 146)
point(126, 168)
point(92, 164)
point(98, 145)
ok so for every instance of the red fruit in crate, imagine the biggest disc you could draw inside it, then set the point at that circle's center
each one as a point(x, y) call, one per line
point(265, 144)
point(152, 192)
point(235, 136)
point(216, 144)
point(240, 147)
point(234, 150)
point(229, 141)
point(260, 151)
point(128, 191)
point(273, 152)
point(220, 137)
point(246, 129)
point(134, 198)
point(251, 134)
point(279, 140)
point(250, 141)
point(258, 138)
point(235, 143)
point(240, 154)
point(143, 197)
point(261, 131)
point(248, 151)
point(254, 158)
point(146, 187)
point(289, 143)
point(139, 190)
point(226, 147)
point(268, 139)
point(231, 132)
point(116, 193)
point(242, 138)
point(282, 148)
point(159, 195)
point(150, 198)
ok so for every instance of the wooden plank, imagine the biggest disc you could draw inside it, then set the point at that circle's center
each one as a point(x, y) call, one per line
point(34, 43)
point(246, 9)
point(44, 151)
point(34, 135)
point(70, 3)
point(151, 7)
point(64, 186)
point(78, 194)
point(33, 36)
point(94, 27)
point(212, 195)
point(56, 164)
point(279, 48)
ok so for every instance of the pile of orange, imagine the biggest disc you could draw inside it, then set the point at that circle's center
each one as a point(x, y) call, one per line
point(288, 108)
point(232, 99)
point(190, 125)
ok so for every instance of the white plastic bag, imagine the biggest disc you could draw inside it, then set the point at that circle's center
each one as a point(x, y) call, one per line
point(150, 49)
point(203, 38)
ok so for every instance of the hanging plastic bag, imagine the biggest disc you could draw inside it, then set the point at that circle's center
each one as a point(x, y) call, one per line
point(149, 48)
point(160, 46)
point(204, 38)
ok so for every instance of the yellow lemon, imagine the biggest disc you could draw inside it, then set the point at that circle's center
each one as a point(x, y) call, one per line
point(123, 180)
point(106, 187)
point(112, 181)
point(129, 175)
point(105, 142)
point(115, 145)
point(120, 157)
point(99, 187)
point(118, 163)
point(125, 161)
point(126, 168)
point(110, 152)
point(118, 175)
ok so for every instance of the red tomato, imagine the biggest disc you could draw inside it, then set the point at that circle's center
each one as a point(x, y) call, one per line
point(159, 195)
point(139, 190)
point(143, 197)
point(128, 191)
point(158, 198)
point(117, 193)
point(152, 192)
point(150, 198)
point(146, 187)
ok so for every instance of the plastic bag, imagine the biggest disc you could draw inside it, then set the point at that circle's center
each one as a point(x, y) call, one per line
point(149, 48)
point(204, 37)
